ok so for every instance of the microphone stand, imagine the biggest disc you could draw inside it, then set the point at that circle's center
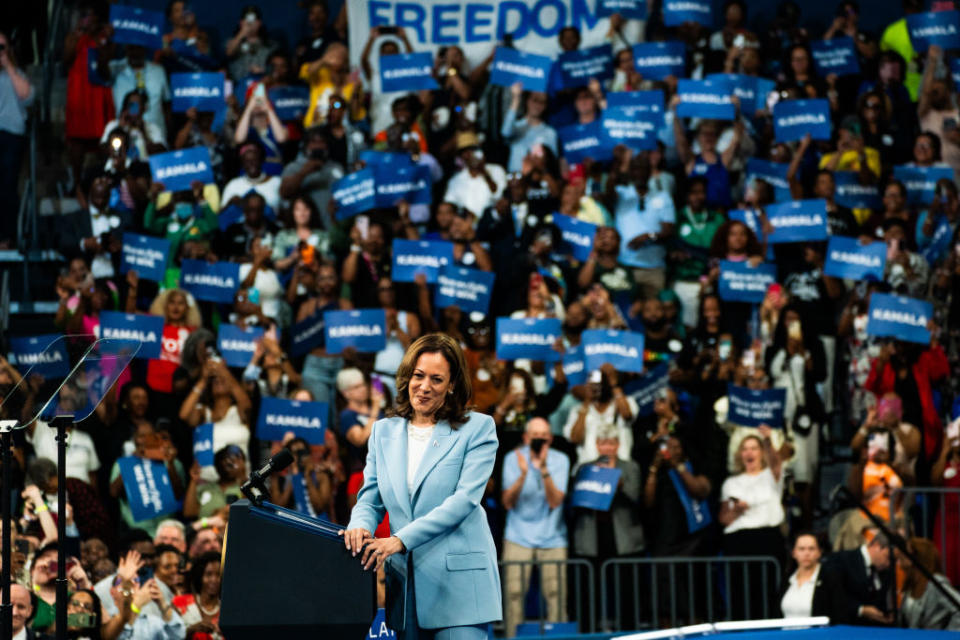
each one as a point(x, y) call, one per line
point(60, 424)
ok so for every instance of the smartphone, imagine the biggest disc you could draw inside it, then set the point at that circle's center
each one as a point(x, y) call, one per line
point(228, 87)
point(376, 385)
point(250, 17)
point(664, 449)
point(749, 359)
point(80, 620)
point(517, 385)
point(724, 349)
point(145, 574)
point(253, 295)
point(739, 41)
point(307, 253)
point(536, 445)
point(260, 91)
point(794, 331)
point(212, 353)
point(363, 224)
point(953, 434)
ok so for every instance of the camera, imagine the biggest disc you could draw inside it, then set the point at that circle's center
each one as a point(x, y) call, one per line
point(212, 354)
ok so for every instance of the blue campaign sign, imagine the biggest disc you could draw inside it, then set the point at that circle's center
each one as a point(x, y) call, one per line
point(595, 487)
point(836, 56)
point(363, 329)
point(215, 282)
point(921, 182)
point(177, 169)
point(853, 195)
point(394, 183)
point(379, 629)
point(526, 629)
point(512, 65)
point(237, 344)
point(955, 71)
point(231, 214)
point(940, 242)
point(750, 90)
point(411, 257)
point(634, 102)
point(850, 260)
point(132, 25)
point(134, 326)
point(306, 420)
point(355, 193)
point(407, 72)
point(469, 289)
point(657, 60)
point(629, 9)
point(146, 255)
point(706, 99)
point(373, 159)
point(290, 103)
point(941, 28)
point(647, 387)
point(794, 119)
point(147, 483)
point(201, 90)
point(899, 317)
point(530, 338)
point(576, 236)
point(676, 12)
point(580, 141)
point(754, 407)
point(574, 367)
point(633, 128)
point(188, 58)
point(578, 67)
point(739, 282)
point(773, 173)
point(622, 349)
point(307, 335)
point(697, 511)
point(29, 352)
point(301, 496)
point(798, 221)
point(203, 444)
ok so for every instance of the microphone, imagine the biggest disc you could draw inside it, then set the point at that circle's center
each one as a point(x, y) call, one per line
point(255, 488)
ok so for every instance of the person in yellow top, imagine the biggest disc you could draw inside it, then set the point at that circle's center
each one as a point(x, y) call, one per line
point(896, 37)
point(328, 76)
point(853, 155)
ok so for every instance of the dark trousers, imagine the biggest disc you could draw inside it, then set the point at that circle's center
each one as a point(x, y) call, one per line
point(749, 593)
point(11, 153)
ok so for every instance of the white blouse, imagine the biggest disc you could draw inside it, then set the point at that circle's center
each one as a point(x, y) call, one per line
point(762, 493)
point(797, 602)
point(418, 439)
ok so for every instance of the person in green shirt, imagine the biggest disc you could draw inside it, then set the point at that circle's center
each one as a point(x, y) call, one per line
point(602, 266)
point(186, 217)
point(205, 499)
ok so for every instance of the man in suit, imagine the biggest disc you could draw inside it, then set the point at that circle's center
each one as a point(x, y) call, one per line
point(23, 610)
point(865, 582)
point(96, 232)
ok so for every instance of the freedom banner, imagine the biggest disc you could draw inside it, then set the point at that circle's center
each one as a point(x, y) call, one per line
point(146, 255)
point(576, 236)
point(203, 444)
point(407, 72)
point(629, 9)
point(773, 173)
point(529, 69)
point(573, 365)
point(849, 260)
point(134, 326)
point(529, 338)
point(754, 407)
point(411, 257)
point(394, 183)
point(798, 221)
point(647, 387)
point(631, 127)
point(739, 282)
point(899, 317)
point(201, 90)
point(794, 119)
point(751, 90)
point(132, 25)
point(237, 344)
point(30, 352)
point(363, 329)
point(853, 195)
point(622, 349)
point(580, 141)
point(304, 419)
point(355, 193)
point(835, 56)
point(711, 99)
point(941, 28)
point(469, 289)
point(921, 182)
point(177, 169)
point(578, 67)
point(290, 103)
point(307, 335)
point(214, 282)
point(657, 60)
point(149, 492)
point(595, 487)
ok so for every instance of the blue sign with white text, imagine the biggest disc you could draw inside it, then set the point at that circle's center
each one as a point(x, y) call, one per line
point(578, 67)
point(355, 193)
point(631, 127)
point(798, 221)
point(576, 236)
point(373, 159)
point(739, 282)
point(645, 389)
point(304, 419)
point(711, 99)
point(394, 183)
point(148, 487)
point(629, 9)
point(307, 335)
point(289, 103)
point(955, 71)
point(529, 338)
point(595, 487)
point(365, 330)
point(750, 90)
point(794, 119)
point(921, 182)
point(622, 349)
point(215, 282)
point(941, 28)
point(850, 260)
point(940, 241)
point(773, 173)
point(853, 195)
point(407, 72)
point(634, 102)
point(31, 352)
point(201, 90)
point(237, 344)
point(657, 60)
point(411, 257)
point(573, 365)
point(177, 169)
point(899, 317)
point(469, 289)
point(529, 69)
point(146, 255)
point(837, 56)
point(132, 25)
point(203, 444)
point(581, 141)
point(676, 12)
point(754, 407)
point(134, 326)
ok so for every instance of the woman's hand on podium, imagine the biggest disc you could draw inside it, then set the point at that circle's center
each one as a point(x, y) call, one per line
point(353, 539)
point(378, 550)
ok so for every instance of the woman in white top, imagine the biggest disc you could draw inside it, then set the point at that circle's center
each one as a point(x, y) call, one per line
point(606, 405)
point(800, 595)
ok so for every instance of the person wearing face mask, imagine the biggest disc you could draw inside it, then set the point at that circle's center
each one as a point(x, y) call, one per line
point(135, 73)
point(95, 234)
point(186, 216)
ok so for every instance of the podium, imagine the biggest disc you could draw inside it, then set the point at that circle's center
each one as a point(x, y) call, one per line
point(286, 575)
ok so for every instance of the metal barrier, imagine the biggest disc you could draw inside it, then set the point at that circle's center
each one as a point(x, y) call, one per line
point(687, 590)
point(925, 512)
point(576, 590)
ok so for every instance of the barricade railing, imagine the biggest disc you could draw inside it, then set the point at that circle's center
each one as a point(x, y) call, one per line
point(932, 513)
point(575, 596)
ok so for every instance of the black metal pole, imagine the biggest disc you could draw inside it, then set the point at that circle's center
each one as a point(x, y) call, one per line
point(6, 608)
point(60, 424)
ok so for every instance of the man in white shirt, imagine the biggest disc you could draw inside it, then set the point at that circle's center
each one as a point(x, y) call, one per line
point(82, 460)
point(23, 611)
point(478, 185)
point(135, 72)
point(253, 177)
point(95, 232)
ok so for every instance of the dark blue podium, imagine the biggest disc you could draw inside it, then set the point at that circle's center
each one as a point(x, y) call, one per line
point(286, 575)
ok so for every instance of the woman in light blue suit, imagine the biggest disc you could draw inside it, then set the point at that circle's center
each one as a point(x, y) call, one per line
point(427, 466)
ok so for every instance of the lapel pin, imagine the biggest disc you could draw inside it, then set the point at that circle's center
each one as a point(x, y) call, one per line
point(436, 444)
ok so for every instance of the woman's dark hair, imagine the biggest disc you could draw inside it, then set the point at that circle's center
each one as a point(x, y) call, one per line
point(813, 534)
point(454, 407)
point(788, 67)
point(199, 566)
point(286, 214)
point(220, 456)
point(41, 470)
point(718, 246)
point(780, 333)
point(252, 8)
point(899, 185)
point(188, 357)
point(92, 633)
point(738, 3)
point(935, 145)
point(701, 322)
point(886, 108)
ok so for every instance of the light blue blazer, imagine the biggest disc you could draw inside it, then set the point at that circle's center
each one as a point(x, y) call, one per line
point(442, 524)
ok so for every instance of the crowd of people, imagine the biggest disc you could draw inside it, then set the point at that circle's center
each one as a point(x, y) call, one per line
point(499, 184)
